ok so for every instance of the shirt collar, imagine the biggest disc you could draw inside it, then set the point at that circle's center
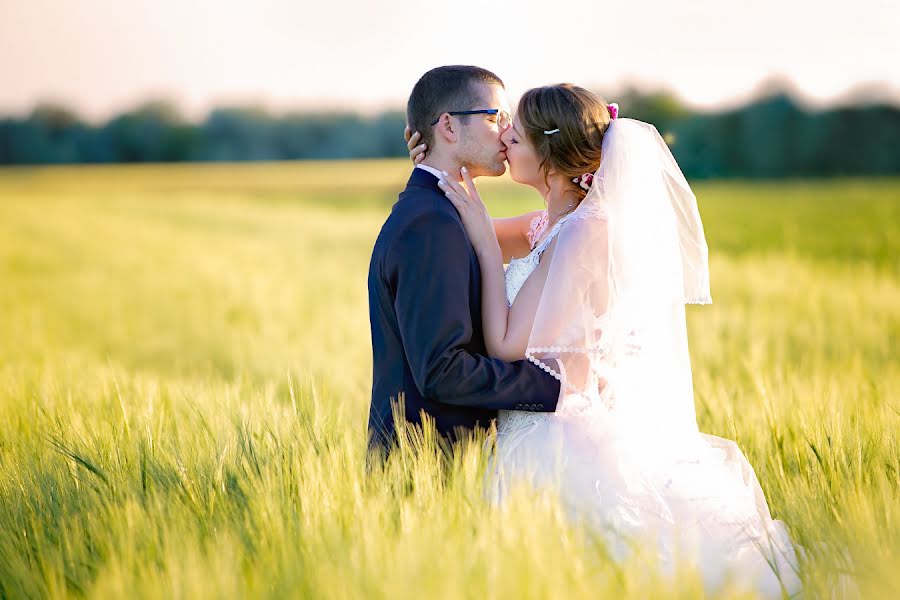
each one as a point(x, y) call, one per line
point(431, 170)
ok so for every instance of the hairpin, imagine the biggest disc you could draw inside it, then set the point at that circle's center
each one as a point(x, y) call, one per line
point(551, 131)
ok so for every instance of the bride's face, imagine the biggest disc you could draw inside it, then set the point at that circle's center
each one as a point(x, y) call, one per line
point(524, 164)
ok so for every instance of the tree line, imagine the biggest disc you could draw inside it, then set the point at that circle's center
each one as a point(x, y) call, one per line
point(772, 136)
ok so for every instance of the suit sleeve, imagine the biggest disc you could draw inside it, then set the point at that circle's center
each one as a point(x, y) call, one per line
point(430, 269)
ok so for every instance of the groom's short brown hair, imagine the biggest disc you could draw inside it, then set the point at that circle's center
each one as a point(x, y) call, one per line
point(444, 89)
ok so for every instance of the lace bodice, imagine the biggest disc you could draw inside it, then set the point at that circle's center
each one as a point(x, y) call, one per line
point(519, 269)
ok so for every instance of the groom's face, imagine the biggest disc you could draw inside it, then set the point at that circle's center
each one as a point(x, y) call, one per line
point(480, 149)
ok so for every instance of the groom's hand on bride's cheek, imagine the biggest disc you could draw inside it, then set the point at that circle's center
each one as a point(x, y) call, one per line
point(416, 152)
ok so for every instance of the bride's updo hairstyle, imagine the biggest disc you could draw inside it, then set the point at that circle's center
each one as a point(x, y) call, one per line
point(581, 118)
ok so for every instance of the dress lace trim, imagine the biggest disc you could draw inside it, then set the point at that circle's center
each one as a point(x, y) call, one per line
point(538, 227)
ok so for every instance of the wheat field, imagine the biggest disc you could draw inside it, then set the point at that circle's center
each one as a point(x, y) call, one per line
point(185, 365)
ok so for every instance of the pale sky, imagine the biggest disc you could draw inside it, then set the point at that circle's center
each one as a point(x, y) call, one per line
point(102, 56)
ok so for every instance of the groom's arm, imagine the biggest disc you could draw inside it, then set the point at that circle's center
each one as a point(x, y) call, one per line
point(430, 274)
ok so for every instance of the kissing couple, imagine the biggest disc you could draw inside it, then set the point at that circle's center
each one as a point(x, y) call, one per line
point(578, 348)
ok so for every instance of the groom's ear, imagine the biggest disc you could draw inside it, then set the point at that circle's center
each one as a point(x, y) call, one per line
point(446, 130)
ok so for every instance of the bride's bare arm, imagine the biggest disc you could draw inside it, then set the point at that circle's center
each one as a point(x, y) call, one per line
point(506, 329)
point(512, 235)
point(511, 232)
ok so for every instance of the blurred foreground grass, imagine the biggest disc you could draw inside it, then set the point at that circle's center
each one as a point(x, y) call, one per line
point(185, 369)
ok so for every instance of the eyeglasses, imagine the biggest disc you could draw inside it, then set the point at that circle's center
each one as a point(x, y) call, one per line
point(503, 120)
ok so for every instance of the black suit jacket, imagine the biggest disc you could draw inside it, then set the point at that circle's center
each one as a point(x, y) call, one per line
point(425, 313)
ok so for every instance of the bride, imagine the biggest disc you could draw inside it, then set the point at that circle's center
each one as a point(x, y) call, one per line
point(598, 282)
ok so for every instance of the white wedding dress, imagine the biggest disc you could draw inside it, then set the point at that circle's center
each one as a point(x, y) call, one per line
point(700, 502)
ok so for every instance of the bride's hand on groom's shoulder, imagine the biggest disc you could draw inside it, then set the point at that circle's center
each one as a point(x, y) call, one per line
point(416, 152)
point(472, 211)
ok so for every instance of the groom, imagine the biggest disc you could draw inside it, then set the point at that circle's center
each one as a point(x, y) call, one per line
point(425, 280)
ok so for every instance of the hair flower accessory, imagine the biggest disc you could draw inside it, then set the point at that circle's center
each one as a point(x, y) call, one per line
point(585, 181)
point(613, 110)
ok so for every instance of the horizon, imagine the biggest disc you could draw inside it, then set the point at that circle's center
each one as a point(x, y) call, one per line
point(861, 94)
